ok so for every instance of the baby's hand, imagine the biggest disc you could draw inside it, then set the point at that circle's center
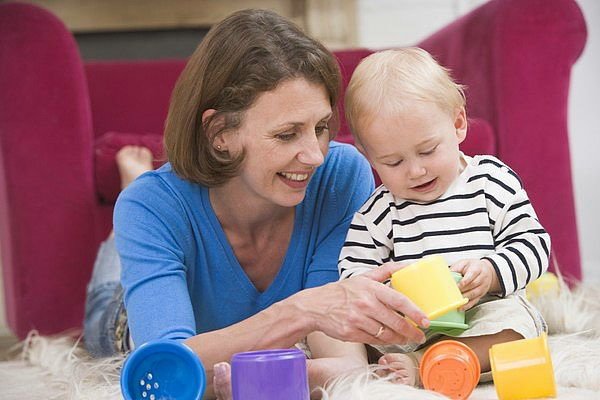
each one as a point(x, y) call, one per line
point(478, 278)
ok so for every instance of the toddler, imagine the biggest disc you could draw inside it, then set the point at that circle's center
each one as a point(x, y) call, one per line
point(408, 118)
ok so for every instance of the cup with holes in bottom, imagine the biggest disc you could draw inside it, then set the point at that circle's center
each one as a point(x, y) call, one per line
point(450, 368)
point(522, 369)
point(163, 369)
point(274, 374)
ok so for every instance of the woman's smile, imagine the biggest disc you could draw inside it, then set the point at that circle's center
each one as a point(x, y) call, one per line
point(296, 180)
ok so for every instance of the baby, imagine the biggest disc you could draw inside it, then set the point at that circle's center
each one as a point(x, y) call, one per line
point(408, 118)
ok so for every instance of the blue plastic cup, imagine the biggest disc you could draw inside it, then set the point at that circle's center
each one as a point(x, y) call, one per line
point(269, 375)
point(163, 369)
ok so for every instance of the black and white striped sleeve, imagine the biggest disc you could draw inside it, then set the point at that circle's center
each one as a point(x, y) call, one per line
point(366, 247)
point(522, 244)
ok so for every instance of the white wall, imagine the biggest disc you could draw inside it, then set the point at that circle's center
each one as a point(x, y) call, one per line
point(388, 23)
point(584, 126)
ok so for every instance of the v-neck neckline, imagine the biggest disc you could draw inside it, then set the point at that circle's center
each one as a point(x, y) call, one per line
point(234, 264)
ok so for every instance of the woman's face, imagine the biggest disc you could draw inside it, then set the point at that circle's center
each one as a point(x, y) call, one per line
point(285, 136)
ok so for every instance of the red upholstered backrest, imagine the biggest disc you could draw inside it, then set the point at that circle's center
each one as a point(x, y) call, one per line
point(130, 100)
point(131, 96)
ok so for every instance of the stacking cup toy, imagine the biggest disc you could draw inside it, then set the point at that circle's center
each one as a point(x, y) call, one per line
point(163, 369)
point(450, 368)
point(430, 285)
point(545, 285)
point(269, 375)
point(522, 369)
point(453, 322)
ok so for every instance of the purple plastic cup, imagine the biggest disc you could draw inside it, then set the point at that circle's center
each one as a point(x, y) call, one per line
point(269, 375)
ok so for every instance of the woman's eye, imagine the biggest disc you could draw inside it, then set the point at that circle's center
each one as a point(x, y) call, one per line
point(286, 137)
point(319, 130)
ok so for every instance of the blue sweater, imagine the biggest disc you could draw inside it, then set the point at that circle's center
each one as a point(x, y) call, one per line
point(181, 276)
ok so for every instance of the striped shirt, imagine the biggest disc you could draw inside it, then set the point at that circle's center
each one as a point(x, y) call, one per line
point(485, 213)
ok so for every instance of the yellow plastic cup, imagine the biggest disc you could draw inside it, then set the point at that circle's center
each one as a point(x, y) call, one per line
point(430, 285)
point(545, 285)
point(522, 369)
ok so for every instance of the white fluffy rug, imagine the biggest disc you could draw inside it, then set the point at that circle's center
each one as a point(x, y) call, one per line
point(58, 368)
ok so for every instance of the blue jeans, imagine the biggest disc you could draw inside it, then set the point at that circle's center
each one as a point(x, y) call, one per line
point(105, 331)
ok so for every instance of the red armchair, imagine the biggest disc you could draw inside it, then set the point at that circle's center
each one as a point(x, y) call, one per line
point(56, 110)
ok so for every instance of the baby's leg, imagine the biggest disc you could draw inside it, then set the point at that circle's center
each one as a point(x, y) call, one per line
point(402, 368)
point(481, 344)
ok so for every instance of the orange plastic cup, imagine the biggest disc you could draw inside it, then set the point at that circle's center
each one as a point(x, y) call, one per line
point(522, 369)
point(450, 368)
point(430, 285)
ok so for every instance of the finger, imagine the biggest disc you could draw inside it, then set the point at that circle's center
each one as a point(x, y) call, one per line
point(389, 328)
point(459, 266)
point(474, 296)
point(473, 293)
point(384, 271)
point(469, 305)
point(468, 279)
point(403, 332)
point(400, 303)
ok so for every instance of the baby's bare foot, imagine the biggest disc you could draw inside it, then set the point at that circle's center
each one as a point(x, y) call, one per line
point(222, 381)
point(402, 368)
point(132, 162)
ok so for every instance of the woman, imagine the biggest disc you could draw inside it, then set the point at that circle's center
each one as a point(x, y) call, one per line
point(229, 245)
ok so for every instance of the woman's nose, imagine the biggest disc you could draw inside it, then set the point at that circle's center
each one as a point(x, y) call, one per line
point(311, 153)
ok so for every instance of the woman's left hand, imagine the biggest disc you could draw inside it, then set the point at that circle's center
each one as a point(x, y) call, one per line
point(361, 309)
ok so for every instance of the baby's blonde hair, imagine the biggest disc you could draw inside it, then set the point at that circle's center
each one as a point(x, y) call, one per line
point(389, 80)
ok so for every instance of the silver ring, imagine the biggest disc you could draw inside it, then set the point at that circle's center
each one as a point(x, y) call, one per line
point(379, 332)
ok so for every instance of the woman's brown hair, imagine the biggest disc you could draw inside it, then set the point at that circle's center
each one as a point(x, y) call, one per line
point(248, 53)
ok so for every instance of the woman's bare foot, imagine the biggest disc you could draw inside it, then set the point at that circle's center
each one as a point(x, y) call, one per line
point(402, 368)
point(132, 162)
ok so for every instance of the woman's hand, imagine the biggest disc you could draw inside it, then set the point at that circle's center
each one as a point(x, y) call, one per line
point(362, 309)
point(479, 278)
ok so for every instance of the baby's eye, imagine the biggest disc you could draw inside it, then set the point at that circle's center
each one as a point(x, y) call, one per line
point(393, 164)
point(286, 136)
point(430, 151)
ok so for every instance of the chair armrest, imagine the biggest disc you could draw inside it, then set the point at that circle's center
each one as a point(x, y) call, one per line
point(47, 197)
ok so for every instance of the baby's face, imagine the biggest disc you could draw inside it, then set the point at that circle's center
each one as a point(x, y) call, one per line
point(416, 152)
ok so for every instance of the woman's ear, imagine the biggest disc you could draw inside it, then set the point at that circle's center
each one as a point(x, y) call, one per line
point(460, 124)
point(212, 124)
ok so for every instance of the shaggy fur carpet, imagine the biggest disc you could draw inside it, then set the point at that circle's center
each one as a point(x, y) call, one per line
point(58, 368)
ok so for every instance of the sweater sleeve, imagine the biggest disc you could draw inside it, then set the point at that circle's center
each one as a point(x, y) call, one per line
point(152, 238)
point(522, 244)
point(347, 184)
